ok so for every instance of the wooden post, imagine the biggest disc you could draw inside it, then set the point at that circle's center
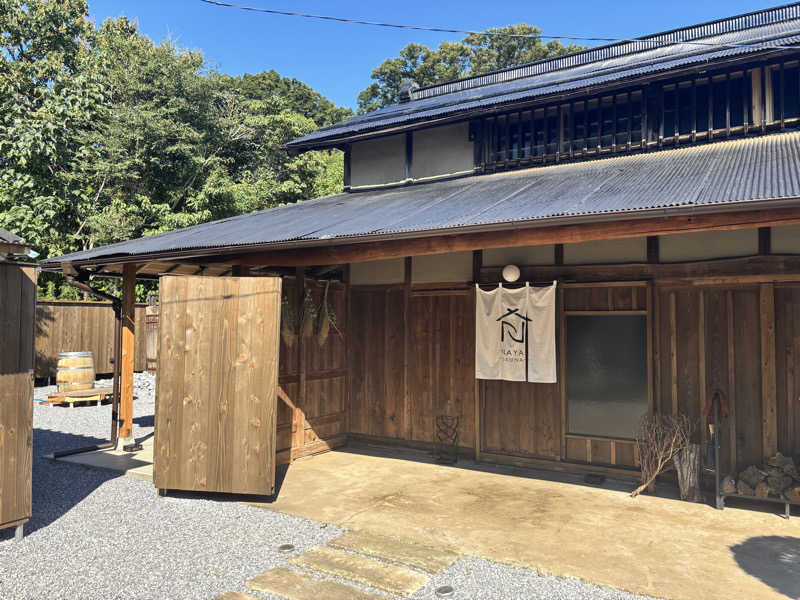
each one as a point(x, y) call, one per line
point(769, 432)
point(407, 414)
point(701, 371)
point(298, 415)
point(731, 383)
point(477, 263)
point(128, 316)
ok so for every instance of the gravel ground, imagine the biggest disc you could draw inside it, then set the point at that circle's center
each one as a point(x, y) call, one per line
point(96, 535)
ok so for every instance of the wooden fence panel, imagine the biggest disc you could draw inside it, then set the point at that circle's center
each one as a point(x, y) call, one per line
point(77, 326)
point(17, 307)
point(720, 352)
point(376, 354)
point(217, 390)
point(787, 328)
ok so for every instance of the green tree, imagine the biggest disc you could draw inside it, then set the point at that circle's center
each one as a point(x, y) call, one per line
point(49, 112)
point(475, 54)
point(107, 136)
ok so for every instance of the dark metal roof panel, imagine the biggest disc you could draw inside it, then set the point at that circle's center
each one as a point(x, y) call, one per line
point(567, 80)
point(10, 238)
point(749, 169)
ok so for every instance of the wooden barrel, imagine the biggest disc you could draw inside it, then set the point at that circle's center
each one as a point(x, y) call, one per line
point(75, 371)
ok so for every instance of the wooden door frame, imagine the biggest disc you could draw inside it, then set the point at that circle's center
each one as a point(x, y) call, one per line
point(563, 313)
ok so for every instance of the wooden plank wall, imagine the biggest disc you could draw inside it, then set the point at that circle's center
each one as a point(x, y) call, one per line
point(217, 384)
point(313, 378)
point(739, 340)
point(82, 326)
point(402, 377)
point(709, 342)
point(17, 306)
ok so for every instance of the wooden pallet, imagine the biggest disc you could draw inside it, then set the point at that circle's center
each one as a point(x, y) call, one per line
point(92, 397)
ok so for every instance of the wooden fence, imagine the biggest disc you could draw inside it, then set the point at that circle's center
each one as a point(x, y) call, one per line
point(81, 326)
point(17, 297)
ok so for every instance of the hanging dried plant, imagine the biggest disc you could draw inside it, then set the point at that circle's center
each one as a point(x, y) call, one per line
point(309, 315)
point(327, 319)
point(288, 323)
point(324, 321)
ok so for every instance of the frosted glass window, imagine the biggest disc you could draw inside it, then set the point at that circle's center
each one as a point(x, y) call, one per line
point(606, 374)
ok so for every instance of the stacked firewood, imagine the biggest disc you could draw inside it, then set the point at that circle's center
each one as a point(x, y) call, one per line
point(778, 477)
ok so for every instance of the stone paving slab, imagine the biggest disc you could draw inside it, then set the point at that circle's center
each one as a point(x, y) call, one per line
point(425, 558)
point(296, 585)
point(235, 596)
point(137, 464)
point(359, 569)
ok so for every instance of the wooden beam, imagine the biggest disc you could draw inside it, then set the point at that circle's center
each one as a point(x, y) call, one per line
point(653, 254)
point(407, 410)
point(409, 156)
point(128, 316)
point(731, 383)
point(347, 172)
point(764, 240)
point(532, 236)
point(769, 424)
point(673, 352)
point(701, 364)
point(298, 415)
point(749, 270)
point(477, 264)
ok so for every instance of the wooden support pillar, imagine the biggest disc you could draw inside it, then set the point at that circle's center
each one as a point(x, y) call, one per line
point(769, 424)
point(477, 264)
point(407, 278)
point(128, 317)
point(298, 415)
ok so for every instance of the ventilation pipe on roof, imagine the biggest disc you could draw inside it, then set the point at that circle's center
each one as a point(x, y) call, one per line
point(408, 88)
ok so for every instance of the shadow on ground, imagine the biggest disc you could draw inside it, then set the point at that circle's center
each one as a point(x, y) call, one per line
point(58, 486)
point(773, 559)
point(145, 421)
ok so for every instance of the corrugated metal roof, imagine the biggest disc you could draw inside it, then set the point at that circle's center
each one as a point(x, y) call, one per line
point(692, 45)
point(746, 170)
point(9, 238)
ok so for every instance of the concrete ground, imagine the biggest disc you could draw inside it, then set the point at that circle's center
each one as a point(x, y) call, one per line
point(550, 523)
point(647, 545)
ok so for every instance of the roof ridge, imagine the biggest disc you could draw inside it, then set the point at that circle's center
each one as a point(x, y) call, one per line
point(688, 33)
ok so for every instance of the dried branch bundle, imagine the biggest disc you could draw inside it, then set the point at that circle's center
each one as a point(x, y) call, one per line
point(660, 439)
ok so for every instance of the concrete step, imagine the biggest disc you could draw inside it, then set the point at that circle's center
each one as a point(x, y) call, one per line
point(425, 558)
point(297, 585)
point(359, 569)
point(235, 596)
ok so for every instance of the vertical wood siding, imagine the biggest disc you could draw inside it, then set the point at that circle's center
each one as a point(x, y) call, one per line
point(17, 306)
point(82, 327)
point(217, 384)
point(316, 421)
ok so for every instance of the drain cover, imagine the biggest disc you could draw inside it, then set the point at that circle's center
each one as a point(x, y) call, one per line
point(445, 591)
point(286, 548)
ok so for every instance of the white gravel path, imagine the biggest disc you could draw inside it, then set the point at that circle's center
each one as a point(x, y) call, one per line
point(95, 535)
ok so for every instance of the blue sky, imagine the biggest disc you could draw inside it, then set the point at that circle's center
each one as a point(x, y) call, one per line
point(336, 59)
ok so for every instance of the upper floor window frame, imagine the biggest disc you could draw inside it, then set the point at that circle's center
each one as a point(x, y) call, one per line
point(739, 100)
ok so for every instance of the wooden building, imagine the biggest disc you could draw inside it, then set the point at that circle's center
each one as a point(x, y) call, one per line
point(657, 180)
point(17, 307)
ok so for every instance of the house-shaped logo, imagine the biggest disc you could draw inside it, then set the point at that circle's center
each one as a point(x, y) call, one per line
point(514, 325)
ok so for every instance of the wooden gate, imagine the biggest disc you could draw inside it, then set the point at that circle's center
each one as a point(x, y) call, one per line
point(217, 384)
point(17, 301)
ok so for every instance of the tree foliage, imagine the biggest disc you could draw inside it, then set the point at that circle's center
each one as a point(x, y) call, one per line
point(106, 135)
point(475, 54)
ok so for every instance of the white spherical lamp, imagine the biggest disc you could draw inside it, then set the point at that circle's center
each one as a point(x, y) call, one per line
point(511, 273)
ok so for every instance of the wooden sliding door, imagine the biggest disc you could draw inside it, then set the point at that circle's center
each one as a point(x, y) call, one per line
point(217, 384)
